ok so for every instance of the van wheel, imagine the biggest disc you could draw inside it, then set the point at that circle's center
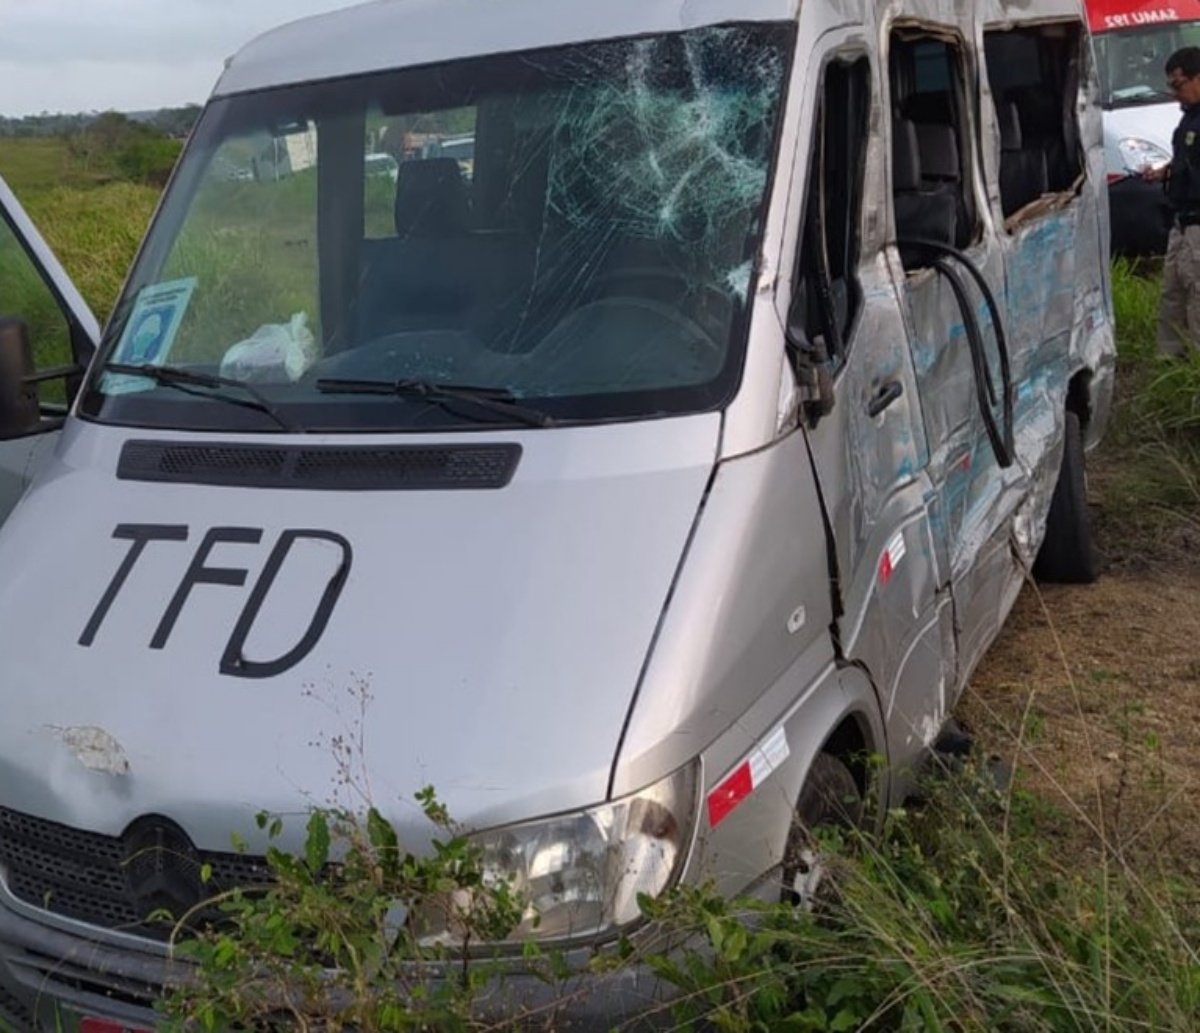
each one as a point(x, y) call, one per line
point(1067, 556)
point(830, 799)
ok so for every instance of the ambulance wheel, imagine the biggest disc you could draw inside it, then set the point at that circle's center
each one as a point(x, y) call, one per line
point(830, 799)
point(1067, 555)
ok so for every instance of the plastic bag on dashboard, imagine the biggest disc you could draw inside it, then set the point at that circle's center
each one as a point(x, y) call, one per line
point(274, 352)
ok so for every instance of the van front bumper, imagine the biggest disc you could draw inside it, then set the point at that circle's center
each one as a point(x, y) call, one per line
point(51, 979)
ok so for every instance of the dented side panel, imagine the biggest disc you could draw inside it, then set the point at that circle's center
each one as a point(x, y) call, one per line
point(925, 468)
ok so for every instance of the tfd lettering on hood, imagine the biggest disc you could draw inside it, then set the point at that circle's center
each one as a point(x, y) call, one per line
point(199, 572)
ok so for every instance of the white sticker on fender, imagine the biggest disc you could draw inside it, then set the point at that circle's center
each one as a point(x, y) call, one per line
point(747, 776)
point(892, 555)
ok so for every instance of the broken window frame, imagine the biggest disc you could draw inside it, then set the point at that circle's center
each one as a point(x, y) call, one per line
point(964, 121)
point(1074, 61)
point(813, 311)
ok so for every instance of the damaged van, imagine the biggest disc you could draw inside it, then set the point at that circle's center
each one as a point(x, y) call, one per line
point(671, 435)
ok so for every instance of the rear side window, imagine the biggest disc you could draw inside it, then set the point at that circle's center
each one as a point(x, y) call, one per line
point(1034, 75)
point(931, 142)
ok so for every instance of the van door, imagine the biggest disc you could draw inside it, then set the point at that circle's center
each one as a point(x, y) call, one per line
point(868, 449)
point(952, 271)
point(63, 335)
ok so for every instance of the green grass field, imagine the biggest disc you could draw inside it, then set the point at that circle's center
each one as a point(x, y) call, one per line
point(92, 222)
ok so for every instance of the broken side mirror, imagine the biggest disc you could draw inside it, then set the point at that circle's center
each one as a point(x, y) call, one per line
point(19, 412)
point(811, 364)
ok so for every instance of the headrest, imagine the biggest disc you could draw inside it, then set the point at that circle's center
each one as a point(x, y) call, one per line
point(431, 199)
point(938, 148)
point(1010, 127)
point(906, 157)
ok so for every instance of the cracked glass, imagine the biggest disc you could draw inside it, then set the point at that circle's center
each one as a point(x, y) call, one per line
point(575, 228)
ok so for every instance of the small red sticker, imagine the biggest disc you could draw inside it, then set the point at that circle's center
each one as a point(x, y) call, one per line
point(93, 1025)
point(729, 794)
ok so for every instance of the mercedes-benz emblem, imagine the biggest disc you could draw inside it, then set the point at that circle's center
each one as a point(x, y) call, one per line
point(162, 869)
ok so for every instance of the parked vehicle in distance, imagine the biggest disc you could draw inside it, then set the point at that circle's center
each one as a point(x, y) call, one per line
point(378, 164)
point(1132, 40)
point(643, 482)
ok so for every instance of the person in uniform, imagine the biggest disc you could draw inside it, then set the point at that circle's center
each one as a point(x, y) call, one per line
point(1179, 305)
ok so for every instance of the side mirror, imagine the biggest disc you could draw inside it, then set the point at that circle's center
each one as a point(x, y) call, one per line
point(19, 413)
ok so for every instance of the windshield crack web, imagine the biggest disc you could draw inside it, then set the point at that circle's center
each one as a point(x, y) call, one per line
point(659, 152)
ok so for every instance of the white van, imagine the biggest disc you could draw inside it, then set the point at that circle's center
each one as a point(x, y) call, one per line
point(1132, 40)
point(643, 477)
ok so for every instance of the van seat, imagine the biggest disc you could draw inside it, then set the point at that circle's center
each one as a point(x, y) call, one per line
point(941, 170)
point(922, 210)
point(431, 199)
point(1022, 169)
point(437, 273)
point(938, 149)
point(1041, 129)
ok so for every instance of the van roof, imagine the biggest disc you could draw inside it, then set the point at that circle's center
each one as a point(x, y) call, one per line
point(385, 34)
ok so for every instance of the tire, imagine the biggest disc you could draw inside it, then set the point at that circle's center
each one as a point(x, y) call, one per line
point(1067, 556)
point(830, 799)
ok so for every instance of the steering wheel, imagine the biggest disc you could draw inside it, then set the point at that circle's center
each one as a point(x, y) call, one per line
point(668, 287)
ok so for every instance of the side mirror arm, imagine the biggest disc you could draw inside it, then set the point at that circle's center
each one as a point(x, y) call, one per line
point(813, 370)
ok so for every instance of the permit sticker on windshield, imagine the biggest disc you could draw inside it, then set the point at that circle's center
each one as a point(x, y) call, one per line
point(152, 325)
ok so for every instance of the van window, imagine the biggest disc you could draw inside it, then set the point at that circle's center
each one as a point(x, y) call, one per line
point(827, 295)
point(1034, 75)
point(252, 230)
point(931, 142)
point(575, 228)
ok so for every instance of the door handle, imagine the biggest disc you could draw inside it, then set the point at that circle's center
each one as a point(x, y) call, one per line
point(884, 395)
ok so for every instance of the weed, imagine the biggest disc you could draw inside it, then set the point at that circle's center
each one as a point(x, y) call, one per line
point(333, 939)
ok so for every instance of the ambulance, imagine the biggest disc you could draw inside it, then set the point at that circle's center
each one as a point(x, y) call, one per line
point(1132, 40)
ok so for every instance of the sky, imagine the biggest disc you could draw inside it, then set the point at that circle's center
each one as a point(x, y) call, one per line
point(128, 55)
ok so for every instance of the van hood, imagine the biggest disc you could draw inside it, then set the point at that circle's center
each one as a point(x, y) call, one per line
point(485, 642)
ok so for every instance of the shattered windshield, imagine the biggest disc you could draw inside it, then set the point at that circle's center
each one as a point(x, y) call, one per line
point(1132, 62)
point(573, 231)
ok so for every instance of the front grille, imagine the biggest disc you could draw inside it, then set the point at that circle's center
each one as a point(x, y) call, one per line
point(14, 1016)
point(335, 468)
point(89, 876)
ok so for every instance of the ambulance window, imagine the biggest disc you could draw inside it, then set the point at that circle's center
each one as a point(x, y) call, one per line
point(931, 143)
point(1034, 74)
point(827, 296)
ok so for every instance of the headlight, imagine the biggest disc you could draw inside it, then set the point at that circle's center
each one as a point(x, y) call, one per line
point(580, 874)
point(1137, 153)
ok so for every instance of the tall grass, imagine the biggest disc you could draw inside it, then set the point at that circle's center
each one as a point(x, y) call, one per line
point(95, 233)
point(1165, 392)
point(1155, 486)
point(967, 915)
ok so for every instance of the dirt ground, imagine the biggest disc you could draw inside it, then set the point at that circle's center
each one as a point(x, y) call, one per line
point(1093, 691)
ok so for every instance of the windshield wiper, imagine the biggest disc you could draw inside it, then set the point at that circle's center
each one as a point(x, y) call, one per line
point(497, 401)
point(177, 376)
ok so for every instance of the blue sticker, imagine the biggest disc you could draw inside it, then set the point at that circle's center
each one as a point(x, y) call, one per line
point(151, 327)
